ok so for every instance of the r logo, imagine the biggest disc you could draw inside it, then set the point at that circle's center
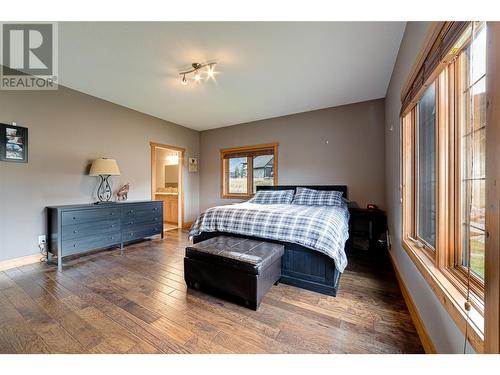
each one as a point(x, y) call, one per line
point(27, 48)
point(28, 56)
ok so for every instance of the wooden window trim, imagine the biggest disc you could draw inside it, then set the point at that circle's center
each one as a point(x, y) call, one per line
point(412, 155)
point(447, 282)
point(492, 260)
point(224, 167)
point(442, 280)
point(456, 254)
point(449, 295)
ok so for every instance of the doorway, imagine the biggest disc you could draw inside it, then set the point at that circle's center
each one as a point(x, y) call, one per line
point(166, 183)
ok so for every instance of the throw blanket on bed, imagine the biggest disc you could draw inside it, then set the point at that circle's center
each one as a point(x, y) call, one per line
point(321, 228)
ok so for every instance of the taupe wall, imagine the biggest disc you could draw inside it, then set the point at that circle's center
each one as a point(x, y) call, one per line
point(354, 154)
point(445, 335)
point(68, 129)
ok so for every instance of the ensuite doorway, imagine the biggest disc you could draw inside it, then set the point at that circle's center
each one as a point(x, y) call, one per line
point(166, 183)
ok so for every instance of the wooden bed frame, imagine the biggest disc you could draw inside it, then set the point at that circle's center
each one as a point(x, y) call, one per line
point(301, 267)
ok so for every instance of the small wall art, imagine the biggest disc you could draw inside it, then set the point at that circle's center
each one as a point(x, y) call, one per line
point(13, 143)
point(193, 165)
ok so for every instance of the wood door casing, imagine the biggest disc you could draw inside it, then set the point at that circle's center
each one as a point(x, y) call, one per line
point(180, 197)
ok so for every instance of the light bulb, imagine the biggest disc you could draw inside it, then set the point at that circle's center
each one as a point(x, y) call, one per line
point(197, 76)
point(211, 72)
point(184, 81)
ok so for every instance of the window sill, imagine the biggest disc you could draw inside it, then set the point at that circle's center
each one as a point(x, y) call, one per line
point(450, 296)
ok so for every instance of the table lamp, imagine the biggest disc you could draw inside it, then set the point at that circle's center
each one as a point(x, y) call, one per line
point(104, 168)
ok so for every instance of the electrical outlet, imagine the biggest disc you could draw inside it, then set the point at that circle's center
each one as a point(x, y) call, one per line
point(42, 239)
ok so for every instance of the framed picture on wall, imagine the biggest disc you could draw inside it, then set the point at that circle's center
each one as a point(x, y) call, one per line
point(193, 165)
point(13, 143)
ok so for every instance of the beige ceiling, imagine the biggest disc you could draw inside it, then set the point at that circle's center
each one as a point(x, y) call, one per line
point(264, 69)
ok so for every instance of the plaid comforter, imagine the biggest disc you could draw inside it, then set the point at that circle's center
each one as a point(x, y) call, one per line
point(321, 228)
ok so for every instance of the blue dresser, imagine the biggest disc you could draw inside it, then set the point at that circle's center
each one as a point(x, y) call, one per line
point(76, 229)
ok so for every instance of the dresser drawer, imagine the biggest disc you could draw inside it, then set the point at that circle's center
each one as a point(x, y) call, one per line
point(91, 228)
point(83, 216)
point(77, 245)
point(142, 231)
point(142, 211)
point(132, 222)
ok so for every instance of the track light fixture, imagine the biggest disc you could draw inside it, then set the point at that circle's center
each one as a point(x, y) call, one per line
point(197, 70)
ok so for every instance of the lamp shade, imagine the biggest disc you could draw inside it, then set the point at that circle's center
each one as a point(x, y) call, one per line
point(104, 167)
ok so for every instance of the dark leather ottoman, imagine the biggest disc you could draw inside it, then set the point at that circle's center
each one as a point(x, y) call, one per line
point(238, 268)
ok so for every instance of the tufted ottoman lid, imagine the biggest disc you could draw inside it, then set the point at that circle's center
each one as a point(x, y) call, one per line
point(250, 256)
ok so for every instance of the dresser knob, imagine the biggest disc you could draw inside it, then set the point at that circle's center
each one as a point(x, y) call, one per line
point(74, 231)
point(74, 217)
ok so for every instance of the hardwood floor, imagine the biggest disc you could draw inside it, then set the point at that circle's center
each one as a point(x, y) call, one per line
point(138, 303)
point(169, 227)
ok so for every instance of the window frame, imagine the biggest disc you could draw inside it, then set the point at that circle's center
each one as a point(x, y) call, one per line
point(249, 152)
point(492, 260)
point(458, 270)
point(430, 250)
point(443, 268)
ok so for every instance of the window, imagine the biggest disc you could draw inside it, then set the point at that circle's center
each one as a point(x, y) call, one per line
point(263, 171)
point(472, 146)
point(443, 172)
point(245, 168)
point(426, 160)
point(238, 177)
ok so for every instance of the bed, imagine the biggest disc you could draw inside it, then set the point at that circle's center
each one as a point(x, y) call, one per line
point(314, 237)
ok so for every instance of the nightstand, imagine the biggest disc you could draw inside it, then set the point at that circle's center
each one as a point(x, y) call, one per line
point(367, 228)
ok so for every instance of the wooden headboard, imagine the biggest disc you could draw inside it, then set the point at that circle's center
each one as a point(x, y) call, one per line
point(342, 188)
